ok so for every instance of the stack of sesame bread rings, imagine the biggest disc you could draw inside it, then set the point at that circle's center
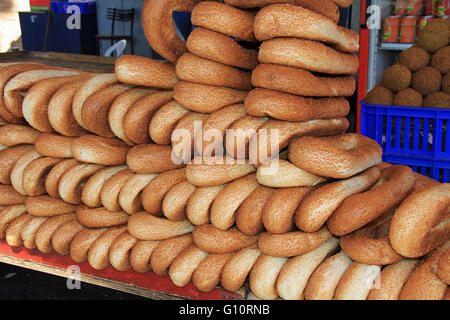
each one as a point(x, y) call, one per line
point(227, 165)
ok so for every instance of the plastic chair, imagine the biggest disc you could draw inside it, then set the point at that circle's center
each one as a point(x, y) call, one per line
point(114, 15)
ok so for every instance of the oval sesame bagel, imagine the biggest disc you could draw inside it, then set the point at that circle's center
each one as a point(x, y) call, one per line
point(100, 150)
point(34, 174)
point(100, 217)
point(301, 82)
point(152, 158)
point(9, 196)
point(8, 158)
point(54, 145)
point(286, 20)
point(307, 54)
point(54, 175)
point(15, 134)
point(164, 122)
point(46, 206)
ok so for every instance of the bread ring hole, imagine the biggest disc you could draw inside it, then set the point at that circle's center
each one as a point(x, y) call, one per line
point(184, 27)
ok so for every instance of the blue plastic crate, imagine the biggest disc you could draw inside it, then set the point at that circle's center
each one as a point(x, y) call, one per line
point(417, 137)
point(85, 7)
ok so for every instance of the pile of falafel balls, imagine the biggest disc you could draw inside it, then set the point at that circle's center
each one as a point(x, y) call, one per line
point(421, 77)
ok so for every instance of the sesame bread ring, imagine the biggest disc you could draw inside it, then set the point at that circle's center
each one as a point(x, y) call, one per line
point(8, 158)
point(283, 174)
point(82, 241)
point(238, 267)
point(443, 269)
point(327, 8)
point(218, 47)
point(183, 136)
point(424, 182)
point(213, 240)
point(301, 82)
point(153, 194)
point(167, 250)
point(207, 274)
point(392, 279)
point(12, 94)
point(18, 169)
point(29, 230)
point(208, 142)
point(318, 206)
point(9, 196)
point(145, 226)
point(344, 3)
point(159, 28)
point(90, 194)
point(424, 283)
point(225, 19)
point(275, 135)
point(249, 215)
point(60, 113)
point(100, 150)
point(203, 71)
point(323, 281)
point(109, 194)
point(100, 217)
point(136, 121)
point(358, 210)
point(357, 281)
point(14, 229)
point(141, 254)
point(53, 176)
point(45, 232)
point(206, 99)
point(98, 253)
point(278, 212)
point(71, 183)
point(45, 206)
point(94, 84)
point(142, 71)
point(119, 252)
point(34, 175)
point(63, 236)
point(8, 72)
point(130, 193)
point(119, 108)
point(174, 203)
point(283, 106)
point(8, 215)
point(183, 266)
point(263, 276)
point(291, 244)
point(164, 121)
point(239, 134)
point(152, 158)
point(352, 154)
point(224, 207)
point(35, 104)
point(421, 222)
point(54, 145)
point(286, 20)
point(199, 204)
point(306, 54)
point(95, 109)
point(214, 174)
point(15, 134)
point(294, 275)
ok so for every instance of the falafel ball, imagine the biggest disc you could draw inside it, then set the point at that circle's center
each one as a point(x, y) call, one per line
point(446, 83)
point(427, 80)
point(435, 35)
point(441, 60)
point(380, 95)
point(414, 58)
point(397, 77)
point(408, 98)
point(437, 99)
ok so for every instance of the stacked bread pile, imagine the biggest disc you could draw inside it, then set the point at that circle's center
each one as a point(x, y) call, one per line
point(93, 168)
point(421, 77)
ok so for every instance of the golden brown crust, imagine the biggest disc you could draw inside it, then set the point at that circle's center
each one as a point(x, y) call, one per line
point(184, 133)
point(152, 158)
point(207, 275)
point(109, 194)
point(100, 217)
point(301, 82)
point(164, 121)
point(174, 203)
point(63, 236)
point(218, 47)
point(17, 171)
point(9, 196)
point(183, 266)
point(98, 253)
point(8, 158)
point(15, 134)
point(54, 145)
point(141, 254)
point(286, 20)
point(192, 68)
point(283, 106)
point(34, 175)
point(82, 241)
point(199, 203)
point(8, 215)
point(52, 179)
point(443, 269)
point(166, 251)
point(225, 19)
point(100, 150)
point(130, 193)
point(204, 98)
point(45, 232)
point(119, 252)
point(159, 28)
point(357, 281)
point(14, 229)
point(263, 276)
point(29, 230)
point(45, 206)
